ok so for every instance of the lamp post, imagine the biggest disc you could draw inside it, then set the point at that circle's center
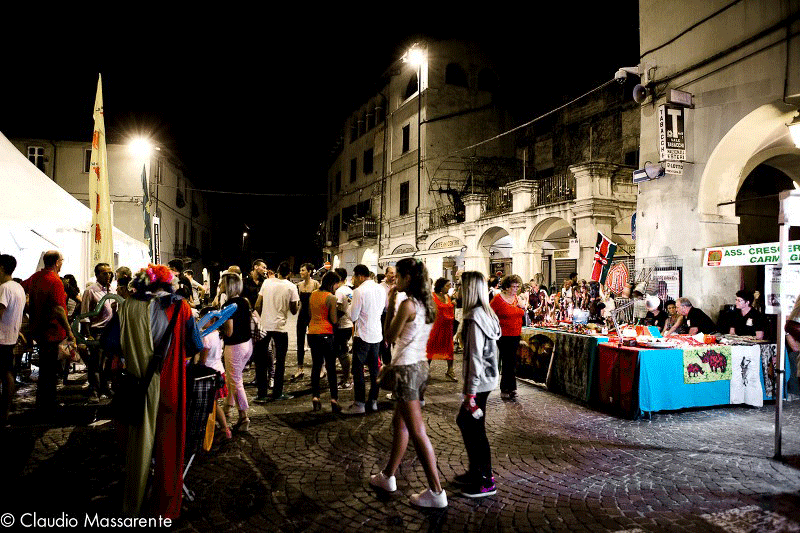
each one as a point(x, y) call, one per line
point(416, 57)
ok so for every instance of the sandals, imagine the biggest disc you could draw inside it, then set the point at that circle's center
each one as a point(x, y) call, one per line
point(228, 434)
point(335, 407)
point(316, 404)
point(243, 425)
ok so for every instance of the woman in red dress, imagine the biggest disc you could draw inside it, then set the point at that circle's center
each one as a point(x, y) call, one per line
point(440, 342)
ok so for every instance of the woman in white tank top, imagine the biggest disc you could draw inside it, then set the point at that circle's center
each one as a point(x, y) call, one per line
point(409, 329)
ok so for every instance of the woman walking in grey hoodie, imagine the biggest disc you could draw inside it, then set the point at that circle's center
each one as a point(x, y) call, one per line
point(480, 332)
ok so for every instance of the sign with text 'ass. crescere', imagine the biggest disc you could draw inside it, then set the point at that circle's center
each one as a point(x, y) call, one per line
point(750, 254)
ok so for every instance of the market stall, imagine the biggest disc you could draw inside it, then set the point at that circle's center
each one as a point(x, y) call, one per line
point(560, 359)
point(631, 380)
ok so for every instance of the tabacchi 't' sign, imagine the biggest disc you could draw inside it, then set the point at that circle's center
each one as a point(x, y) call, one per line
point(671, 134)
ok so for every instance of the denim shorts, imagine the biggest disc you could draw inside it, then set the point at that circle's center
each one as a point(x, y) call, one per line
point(411, 381)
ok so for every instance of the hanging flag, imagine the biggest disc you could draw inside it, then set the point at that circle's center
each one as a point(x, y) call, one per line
point(146, 211)
point(603, 254)
point(102, 247)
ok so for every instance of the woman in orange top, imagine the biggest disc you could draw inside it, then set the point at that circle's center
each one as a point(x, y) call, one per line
point(440, 342)
point(322, 307)
point(506, 307)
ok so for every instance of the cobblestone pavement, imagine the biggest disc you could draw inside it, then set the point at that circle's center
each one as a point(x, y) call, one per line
point(559, 465)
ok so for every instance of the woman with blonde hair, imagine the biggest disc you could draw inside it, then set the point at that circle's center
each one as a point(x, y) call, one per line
point(238, 347)
point(481, 375)
point(408, 328)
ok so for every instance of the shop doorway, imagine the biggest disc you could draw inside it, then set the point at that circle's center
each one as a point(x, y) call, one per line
point(757, 207)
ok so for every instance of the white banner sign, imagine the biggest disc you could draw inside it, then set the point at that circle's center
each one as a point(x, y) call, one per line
point(749, 254)
point(777, 283)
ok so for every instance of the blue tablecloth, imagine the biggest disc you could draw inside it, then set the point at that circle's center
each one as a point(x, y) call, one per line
point(662, 388)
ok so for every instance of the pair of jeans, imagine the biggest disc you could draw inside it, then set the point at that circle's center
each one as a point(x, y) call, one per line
point(365, 353)
point(322, 351)
point(340, 338)
point(302, 327)
point(236, 357)
point(48, 377)
point(262, 358)
point(473, 431)
point(507, 347)
point(281, 339)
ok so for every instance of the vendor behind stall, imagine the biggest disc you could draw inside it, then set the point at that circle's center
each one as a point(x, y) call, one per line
point(656, 316)
point(696, 320)
point(748, 321)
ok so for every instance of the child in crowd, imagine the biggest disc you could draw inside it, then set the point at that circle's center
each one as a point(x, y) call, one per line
point(211, 356)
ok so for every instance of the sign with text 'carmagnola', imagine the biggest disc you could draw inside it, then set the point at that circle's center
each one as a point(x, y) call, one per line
point(749, 254)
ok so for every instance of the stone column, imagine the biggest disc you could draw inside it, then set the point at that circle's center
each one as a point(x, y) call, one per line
point(522, 195)
point(594, 209)
point(473, 206)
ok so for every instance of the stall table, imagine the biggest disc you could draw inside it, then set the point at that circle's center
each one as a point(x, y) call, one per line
point(567, 368)
point(632, 380)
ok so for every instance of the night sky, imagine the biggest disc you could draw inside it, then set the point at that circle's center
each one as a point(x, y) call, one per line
point(254, 102)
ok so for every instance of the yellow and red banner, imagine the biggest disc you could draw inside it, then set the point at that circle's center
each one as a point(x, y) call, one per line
point(101, 247)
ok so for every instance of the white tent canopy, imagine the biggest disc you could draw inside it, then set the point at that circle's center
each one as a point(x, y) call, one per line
point(37, 215)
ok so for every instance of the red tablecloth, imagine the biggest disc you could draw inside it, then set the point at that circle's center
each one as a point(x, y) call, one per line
point(617, 380)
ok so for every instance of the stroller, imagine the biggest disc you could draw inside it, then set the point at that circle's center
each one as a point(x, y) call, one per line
point(201, 389)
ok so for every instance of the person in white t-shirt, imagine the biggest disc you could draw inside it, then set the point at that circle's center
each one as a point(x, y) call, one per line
point(276, 299)
point(344, 328)
point(369, 301)
point(12, 305)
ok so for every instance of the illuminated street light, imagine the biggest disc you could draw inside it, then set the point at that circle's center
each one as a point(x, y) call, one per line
point(415, 56)
point(141, 147)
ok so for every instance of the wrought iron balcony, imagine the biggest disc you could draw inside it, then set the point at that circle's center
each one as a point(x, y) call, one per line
point(360, 228)
point(499, 201)
point(444, 216)
point(555, 189)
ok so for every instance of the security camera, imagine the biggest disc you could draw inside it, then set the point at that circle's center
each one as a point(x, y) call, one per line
point(622, 74)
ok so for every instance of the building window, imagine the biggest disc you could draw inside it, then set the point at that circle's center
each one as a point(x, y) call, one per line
point(339, 181)
point(487, 80)
point(371, 117)
point(411, 88)
point(455, 75)
point(368, 157)
point(353, 169)
point(87, 160)
point(364, 209)
point(380, 112)
point(353, 129)
point(406, 138)
point(632, 158)
point(404, 198)
point(36, 156)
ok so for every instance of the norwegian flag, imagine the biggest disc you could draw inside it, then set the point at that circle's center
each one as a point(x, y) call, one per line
point(603, 254)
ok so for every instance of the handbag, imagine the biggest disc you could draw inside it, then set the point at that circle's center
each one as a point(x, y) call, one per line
point(130, 392)
point(67, 350)
point(256, 331)
point(387, 378)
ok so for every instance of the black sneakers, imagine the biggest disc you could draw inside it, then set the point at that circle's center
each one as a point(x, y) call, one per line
point(485, 487)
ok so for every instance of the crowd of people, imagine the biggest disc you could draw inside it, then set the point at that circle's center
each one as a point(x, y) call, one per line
point(394, 324)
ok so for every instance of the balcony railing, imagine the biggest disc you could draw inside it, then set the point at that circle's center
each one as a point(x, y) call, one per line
point(555, 189)
point(362, 228)
point(499, 201)
point(444, 216)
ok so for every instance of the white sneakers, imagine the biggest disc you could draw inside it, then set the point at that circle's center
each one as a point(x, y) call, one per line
point(356, 409)
point(380, 481)
point(423, 499)
point(430, 499)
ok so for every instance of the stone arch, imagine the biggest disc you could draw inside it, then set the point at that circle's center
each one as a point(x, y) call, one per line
point(759, 137)
point(546, 228)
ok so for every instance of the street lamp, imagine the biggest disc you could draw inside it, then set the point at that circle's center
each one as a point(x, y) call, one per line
point(141, 147)
point(416, 57)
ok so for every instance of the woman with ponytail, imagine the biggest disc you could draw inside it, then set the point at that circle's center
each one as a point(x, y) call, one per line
point(408, 328)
